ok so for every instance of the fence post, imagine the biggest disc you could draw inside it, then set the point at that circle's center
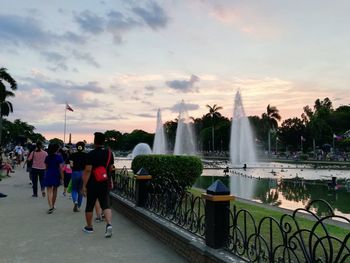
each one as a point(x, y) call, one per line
point(141, 186)
point(217, 216)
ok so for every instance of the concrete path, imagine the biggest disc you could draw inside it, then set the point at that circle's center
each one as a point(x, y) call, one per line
point(28, 234)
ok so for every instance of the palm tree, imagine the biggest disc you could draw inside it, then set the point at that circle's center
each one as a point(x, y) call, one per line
point(5, 106)
point(214, 114)
point(271, 118)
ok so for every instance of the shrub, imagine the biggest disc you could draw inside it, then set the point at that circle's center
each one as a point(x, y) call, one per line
point(184, 169)
point(304, 157)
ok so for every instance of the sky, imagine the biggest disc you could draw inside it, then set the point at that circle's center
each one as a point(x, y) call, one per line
point(116, 62)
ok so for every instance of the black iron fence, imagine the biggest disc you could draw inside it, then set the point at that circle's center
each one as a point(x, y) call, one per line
point(124, 184)
point(222, 225)
point(289, 239)
point(168, 200)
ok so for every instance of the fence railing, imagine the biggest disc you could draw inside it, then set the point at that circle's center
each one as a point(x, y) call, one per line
point(124, 184)
point(288, 239)
point(222, 225)
point(168, 200)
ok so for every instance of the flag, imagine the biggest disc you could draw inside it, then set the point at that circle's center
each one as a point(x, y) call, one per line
point(302, 139)
point(69, 107)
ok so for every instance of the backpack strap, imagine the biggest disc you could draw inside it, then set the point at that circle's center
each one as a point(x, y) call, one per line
point(109, 157)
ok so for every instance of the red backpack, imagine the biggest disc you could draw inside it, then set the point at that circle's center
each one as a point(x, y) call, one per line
point(100, 172)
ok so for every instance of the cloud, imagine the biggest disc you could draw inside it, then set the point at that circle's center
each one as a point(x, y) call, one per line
point(90, 22)
point(150, 88)
point(56, 59)
point(188, 107)
point(183, 85)
point(19, 30)
point(27, 31)
point(118, 24)
point(154, 16)
point(87, 57)
point(143, 115)
point(58, 92)
point(71, 37)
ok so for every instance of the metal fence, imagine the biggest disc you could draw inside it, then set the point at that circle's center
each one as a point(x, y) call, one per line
point(289, 239)
point(168, 200)
point(124, 184)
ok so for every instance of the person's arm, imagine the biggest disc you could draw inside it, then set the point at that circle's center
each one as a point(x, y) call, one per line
point(86, 177)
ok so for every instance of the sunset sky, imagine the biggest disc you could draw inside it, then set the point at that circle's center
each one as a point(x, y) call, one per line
point(116, 62)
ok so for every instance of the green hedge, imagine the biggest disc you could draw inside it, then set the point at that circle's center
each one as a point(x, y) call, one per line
point(184, 169)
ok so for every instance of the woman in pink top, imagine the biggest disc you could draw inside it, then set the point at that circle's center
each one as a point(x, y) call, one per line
point(38, 168)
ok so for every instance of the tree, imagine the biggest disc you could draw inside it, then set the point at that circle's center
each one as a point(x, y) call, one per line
point(5, 106)
point(271, 118)
point(214, 114)
point(113, 139)
point(290, 132)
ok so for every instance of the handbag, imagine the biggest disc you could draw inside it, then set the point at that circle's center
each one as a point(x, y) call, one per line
point(100, 172)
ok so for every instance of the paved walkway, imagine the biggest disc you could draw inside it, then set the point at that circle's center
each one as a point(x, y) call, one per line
point(28, 234)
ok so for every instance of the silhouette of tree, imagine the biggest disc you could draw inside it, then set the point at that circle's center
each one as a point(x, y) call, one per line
point(5, 106)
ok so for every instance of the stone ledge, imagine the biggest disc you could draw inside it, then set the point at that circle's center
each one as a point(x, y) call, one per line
point(183, 242)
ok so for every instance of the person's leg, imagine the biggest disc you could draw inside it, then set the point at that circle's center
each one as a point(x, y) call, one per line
point(54, 196)
point(90, 203)
point(41, 174)
point(98, 210)
point(35, 182)
point(108, 216)
point(49, 196)
point(103, 198)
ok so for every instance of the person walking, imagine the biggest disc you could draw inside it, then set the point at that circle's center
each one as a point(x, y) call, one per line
point(29, 164)
point(95, 183)
point(77, 161)
point(54, 174)
point(37, 157)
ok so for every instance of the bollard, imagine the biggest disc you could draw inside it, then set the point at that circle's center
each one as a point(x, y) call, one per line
point(141, 186)
point(217, 216)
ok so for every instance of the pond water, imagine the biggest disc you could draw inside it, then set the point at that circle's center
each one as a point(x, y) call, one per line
point(289, 186)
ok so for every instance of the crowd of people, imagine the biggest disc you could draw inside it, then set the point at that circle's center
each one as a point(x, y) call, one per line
point(80, 173)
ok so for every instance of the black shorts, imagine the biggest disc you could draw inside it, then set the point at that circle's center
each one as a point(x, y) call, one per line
point(100, 192)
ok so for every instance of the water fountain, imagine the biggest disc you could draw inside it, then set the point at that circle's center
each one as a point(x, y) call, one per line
point(140, 149)
point(185, 139)
point(242, 152)
point(159, 144)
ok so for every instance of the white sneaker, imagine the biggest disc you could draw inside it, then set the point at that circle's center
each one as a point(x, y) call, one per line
point(109, 231)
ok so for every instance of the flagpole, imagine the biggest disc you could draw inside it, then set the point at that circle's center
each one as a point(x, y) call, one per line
point(65, 121)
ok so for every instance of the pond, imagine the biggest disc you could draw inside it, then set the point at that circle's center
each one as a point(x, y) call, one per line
point(289, 186)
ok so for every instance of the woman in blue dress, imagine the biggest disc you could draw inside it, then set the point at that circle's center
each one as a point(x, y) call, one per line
point(54, 174)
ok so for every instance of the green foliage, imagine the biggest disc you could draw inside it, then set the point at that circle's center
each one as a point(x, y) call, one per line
point(19, 131)
point(304, 157)
point(184, 169)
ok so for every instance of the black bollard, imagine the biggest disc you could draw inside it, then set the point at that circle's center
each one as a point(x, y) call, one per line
point(141, 187)
point(217, 217)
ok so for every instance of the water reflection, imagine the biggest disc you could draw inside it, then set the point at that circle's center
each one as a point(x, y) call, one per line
point(289, 194)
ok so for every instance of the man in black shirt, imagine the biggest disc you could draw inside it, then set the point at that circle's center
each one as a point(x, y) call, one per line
point(97, 190)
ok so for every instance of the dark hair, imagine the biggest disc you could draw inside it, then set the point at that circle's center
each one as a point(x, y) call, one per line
point(53, 148)
point(99, 138)
point(39, 146)
point(80, 146)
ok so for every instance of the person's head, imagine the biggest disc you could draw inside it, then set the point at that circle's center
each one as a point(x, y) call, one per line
point(53, 148)
point(99, 138)
point(39, 145)
point(80, 146)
